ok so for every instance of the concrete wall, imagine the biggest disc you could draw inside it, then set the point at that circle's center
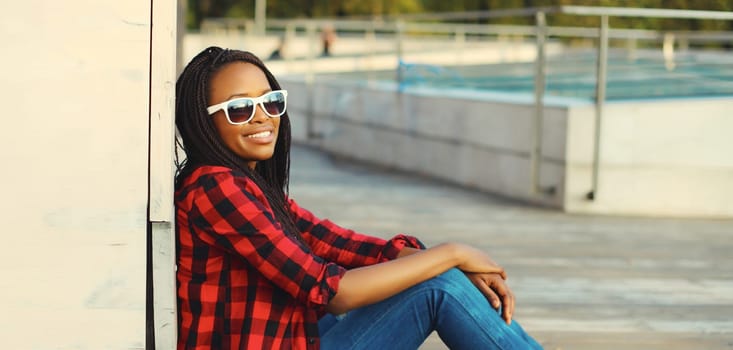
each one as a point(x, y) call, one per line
point(456, 136)
point(74, 140)
point(663, 157)
point(660, 158)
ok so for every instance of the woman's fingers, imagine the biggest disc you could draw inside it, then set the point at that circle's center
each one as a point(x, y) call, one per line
point(497, 271)
point(507, 297)
point(503, 274)
point(496, 291)
point(482, 286)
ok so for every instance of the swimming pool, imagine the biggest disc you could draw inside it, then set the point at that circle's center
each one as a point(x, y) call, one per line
point(645, 75)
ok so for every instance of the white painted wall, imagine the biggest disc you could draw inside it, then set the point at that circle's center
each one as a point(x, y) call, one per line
point(74, 149)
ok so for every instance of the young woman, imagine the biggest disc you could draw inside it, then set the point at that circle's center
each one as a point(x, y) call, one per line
point(257, 271)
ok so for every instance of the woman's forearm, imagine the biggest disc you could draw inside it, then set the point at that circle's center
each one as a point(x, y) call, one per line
point(369, 284)
point(407, 251)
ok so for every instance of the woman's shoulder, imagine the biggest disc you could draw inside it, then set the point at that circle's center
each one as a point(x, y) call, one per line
point(214, 175)
point(207, 171)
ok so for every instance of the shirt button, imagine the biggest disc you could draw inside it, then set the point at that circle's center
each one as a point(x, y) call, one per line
point(311, 340)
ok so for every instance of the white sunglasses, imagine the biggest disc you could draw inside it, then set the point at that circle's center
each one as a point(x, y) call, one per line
point(241, 110)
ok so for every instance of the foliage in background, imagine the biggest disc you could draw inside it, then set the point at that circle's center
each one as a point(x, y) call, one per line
point(200, 9)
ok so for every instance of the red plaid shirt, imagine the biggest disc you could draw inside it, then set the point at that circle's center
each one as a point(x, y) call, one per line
point(242, 282)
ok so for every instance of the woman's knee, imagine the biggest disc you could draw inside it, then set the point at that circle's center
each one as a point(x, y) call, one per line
point(453, 274)
point(450, 281)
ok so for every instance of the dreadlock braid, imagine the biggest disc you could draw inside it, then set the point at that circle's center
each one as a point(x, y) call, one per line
point(203, 145)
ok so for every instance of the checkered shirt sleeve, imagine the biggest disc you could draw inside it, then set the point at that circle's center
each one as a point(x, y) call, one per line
point(347, 247)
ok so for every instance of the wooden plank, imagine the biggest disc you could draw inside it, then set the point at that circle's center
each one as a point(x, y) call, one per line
point(162, 108)
point(163, 64)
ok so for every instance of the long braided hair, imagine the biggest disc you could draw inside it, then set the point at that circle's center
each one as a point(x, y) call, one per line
point(203, 145)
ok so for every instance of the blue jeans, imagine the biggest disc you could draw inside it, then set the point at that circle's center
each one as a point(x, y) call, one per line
point(449, 304)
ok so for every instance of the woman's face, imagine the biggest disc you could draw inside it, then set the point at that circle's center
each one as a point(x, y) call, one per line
point(255, 140)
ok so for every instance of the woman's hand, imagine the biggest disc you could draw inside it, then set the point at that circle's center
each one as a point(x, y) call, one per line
point(494, 287)
point(474, 260)
point(489, 277)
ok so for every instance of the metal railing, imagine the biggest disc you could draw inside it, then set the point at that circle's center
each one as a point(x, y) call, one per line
point(541, 32)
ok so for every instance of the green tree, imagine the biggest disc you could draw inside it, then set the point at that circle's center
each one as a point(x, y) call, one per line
point(198, 10)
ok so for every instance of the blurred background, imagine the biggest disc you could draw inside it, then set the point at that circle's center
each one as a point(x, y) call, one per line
point(584, 144)
point(584, 106)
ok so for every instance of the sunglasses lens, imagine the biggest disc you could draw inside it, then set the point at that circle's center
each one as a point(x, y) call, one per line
point(274, 104)
point(240, 110)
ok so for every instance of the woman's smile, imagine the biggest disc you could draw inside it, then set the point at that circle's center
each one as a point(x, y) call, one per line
point(262, 137)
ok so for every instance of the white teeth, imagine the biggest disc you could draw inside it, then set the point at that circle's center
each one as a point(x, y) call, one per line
point(260, 134)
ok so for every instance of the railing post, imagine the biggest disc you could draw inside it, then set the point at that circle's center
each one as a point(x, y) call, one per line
point(289, 39)
point(631, 48)
point(310, 30)
point(600, 101)
point(539, 93)
point(399, 33)
point(460, 37)
point(260, 17)
point(668, 51)
point(370, 39)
